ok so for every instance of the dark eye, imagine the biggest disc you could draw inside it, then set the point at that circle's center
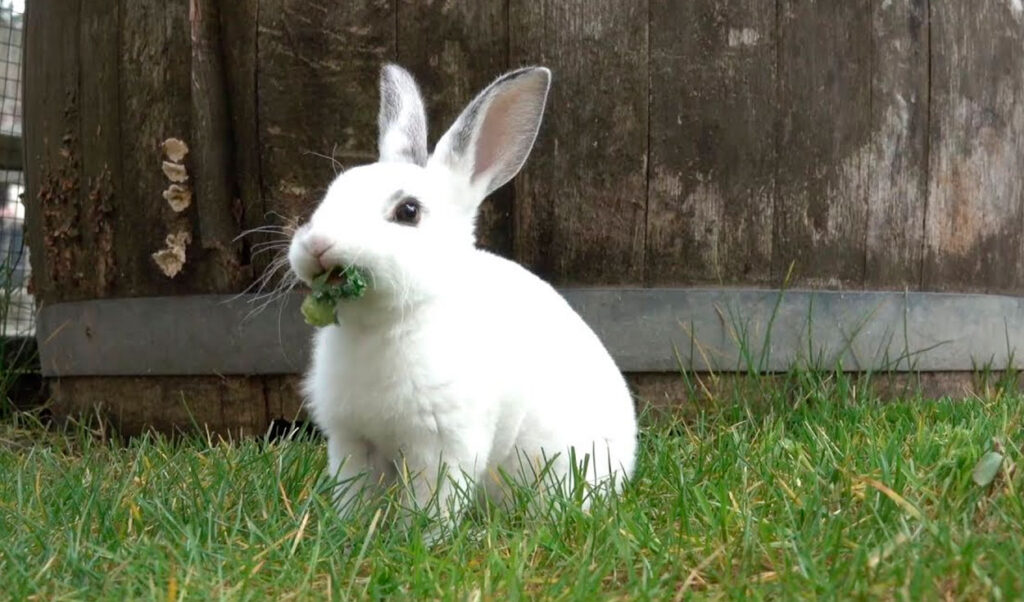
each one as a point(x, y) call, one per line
point(407, 212)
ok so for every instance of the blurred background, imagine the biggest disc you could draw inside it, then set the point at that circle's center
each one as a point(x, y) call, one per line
point(14, 261)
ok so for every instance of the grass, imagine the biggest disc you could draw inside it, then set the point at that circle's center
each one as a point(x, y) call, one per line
point(18, 356)
point(811, 490)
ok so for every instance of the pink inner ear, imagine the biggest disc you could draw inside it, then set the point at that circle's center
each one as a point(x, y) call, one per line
point(507, 131)
point(496, 131)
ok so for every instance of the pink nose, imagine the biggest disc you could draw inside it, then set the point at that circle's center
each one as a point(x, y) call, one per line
point(317, 245)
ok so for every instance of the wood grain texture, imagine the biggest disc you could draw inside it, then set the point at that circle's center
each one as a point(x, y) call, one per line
point(284, 397)
point(52, 147)
point(973, 231)
point(238, 21)
point(712, 145)
point(581, 198)
point(227, 406)
point(824, 100)
point(317, 93)
point(454, 49)
point(100, 126)
point(211, 163)
point(155, 104)
point(898, 155)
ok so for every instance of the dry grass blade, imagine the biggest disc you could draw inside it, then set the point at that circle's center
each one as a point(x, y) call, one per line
point(694, 575)
point(892, 495)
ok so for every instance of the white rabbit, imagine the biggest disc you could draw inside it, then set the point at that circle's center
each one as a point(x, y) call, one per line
point(455, 363)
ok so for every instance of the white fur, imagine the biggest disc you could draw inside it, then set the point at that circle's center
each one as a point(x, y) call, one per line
point(455, 360)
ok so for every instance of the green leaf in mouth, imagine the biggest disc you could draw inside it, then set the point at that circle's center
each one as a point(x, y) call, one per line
point(334, 285)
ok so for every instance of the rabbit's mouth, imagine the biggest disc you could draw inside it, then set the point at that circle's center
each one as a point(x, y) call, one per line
point(335, 277)
point(341, 282)
point(328, 290)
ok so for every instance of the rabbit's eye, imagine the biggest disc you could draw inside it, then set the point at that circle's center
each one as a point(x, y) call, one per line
point(407, 212)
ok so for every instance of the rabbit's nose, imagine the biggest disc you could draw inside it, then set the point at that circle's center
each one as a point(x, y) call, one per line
point(317, 245)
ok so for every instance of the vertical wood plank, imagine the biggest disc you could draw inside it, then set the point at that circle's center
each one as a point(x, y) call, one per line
point(455, 48)
point(898, 163)
point(101, 143)
point(712, 144)
point(155, 104)
point(580, 214)
point(238, 28)
point(211, 165)
point(319, 65)
point(973, 235)
point(823, 142)
point(52, 148)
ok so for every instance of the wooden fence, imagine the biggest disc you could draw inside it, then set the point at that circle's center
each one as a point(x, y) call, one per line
point(869, 144)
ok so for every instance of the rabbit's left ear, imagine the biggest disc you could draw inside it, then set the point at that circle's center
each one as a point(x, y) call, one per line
point(402, 121)
point(489, 142)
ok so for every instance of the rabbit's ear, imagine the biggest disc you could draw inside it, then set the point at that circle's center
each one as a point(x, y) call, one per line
point(402, 121)
point(491, 139)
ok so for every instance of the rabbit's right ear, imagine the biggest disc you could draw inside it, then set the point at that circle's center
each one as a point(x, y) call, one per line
point(489, 142)
point(402, 121)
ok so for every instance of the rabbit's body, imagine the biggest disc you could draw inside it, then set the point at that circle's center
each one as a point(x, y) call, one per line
point(500, 370)
point(456, 365)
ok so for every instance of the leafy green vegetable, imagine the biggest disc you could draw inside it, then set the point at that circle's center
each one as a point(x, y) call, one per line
point(329, 288)
point(318, 313)
point(987, 468)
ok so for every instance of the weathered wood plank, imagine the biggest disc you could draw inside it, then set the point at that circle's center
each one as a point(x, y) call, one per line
point(211, 164)
point(823, 141)
point(455, 48)
point(581, 198)
point(975, 218)
point(52, 147)
point(898, 161)
point(101, 145)
point(319, 65)
point(155, 104)
point(284, 397)
point(238, 30)
point(712, 145)
point(228, 406)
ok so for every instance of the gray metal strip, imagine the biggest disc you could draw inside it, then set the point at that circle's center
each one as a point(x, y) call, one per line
point(646, 330)
point(201, 334)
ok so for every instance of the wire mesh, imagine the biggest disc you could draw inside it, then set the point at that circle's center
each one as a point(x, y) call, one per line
point(17, 310)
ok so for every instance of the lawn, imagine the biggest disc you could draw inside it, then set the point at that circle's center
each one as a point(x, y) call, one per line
point(808, 489)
